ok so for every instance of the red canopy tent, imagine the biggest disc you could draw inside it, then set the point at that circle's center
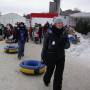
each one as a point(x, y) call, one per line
point(43, 15)
point(40, 15)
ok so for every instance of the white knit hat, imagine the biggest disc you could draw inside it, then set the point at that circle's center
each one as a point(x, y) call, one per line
point(58, 20)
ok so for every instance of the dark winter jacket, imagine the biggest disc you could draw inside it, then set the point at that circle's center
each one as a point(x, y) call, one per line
point(22, 34)
point(54, 44)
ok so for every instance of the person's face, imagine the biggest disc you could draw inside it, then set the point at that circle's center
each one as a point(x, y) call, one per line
point(8, 27)
point(59, 25)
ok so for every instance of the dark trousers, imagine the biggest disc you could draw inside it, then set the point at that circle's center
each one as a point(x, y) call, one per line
point(21, 46)
point(58, 74)
point(40, 39)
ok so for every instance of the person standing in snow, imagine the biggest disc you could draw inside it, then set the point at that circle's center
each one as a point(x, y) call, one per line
point(53, 53)
point(22, 36)
point(45, 28)
point(40, 33)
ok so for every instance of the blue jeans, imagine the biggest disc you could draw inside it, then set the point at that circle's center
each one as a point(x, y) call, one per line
point(21, 46)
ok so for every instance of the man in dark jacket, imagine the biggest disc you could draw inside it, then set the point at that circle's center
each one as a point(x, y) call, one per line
point(53, 53)
point(22, 36)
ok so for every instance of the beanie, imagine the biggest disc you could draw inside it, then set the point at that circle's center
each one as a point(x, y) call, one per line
point(58, 20)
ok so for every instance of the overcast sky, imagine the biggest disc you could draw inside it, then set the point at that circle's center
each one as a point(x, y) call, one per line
point(28, 6)
point(83, 5)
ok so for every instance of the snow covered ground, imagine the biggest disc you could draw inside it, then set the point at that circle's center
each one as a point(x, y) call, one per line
point(76, 73)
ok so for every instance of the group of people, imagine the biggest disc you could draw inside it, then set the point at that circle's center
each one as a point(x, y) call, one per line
point(9, 31)
point(17, 33)
point(38, 32)
point(53, 52)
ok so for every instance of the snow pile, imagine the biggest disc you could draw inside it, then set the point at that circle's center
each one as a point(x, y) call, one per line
point(81, 49)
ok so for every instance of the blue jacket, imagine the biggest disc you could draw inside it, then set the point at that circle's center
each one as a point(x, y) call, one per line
point(22, 34)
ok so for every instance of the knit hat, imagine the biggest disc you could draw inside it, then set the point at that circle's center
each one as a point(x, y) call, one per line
point(58, 20)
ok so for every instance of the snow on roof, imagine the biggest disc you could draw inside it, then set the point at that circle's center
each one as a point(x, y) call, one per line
point(11, 18)
point(12, 15)
point(81, 14)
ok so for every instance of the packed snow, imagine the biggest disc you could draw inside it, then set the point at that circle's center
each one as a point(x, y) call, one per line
point(76, 73)
point(82, 48)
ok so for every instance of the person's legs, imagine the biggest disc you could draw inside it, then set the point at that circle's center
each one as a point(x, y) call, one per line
point(58, 75)
point(40, 39)
point(23, 46)
point(48, 74)
point(19, 49)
